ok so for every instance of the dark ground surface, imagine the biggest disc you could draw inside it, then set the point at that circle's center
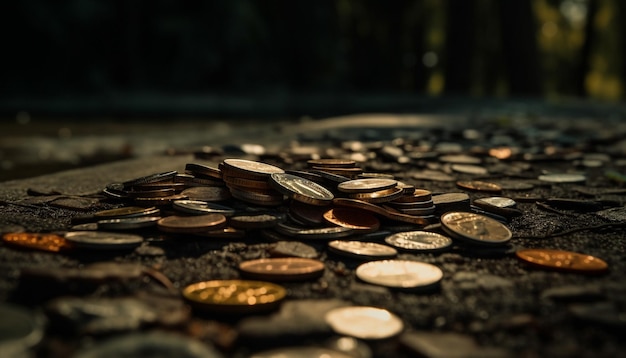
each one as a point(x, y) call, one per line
point(487, 296)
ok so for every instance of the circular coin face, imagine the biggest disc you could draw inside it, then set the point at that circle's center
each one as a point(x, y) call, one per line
point(103, 240)
point(562, 260)
point(367, 185)
point(475, 228)
point(361, 249)
point(563, 178)
point(234, 296)
point(400, 274)
point(364, 322)
point(419, 241)
point(191, 224)
point(301, 189)
point(356, 219)
point(283, 268)
point(38, 241)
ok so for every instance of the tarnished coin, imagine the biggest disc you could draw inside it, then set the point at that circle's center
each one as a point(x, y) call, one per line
point(258, 198)
point(128, 223)
point(418, 195)
point(102, 240)
point(419, 241)
point(392, 215)
point(475, 228)
point(301, 189)
point(563, 178)
point(38, 241)
point(197, 207)
point(207, 193)
point(127, 212)
point(160, 201)
point(477, 185)
point(362, 250)
point(310, 215)
point(156, 193)
point(249, 169)
point(400, 274)
point(282, 269)
point(300, 352)
point(359, 220)
point(364, 322)
point(234, 296)
point(192, 224)
point(366, 185)
point(562, 260)
point(201, 169)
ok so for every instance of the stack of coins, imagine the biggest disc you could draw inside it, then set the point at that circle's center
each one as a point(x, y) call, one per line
point(249, 181)
point(343, 167)
point(419, 202)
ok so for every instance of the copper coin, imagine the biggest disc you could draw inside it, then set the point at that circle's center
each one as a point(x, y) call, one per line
point(191, 224)
point(562, 260)
point(249, 169)
point(475, 228)
point(258, 198)
point(418, 195)
point(311, 215)
point(392, 215)
point(195, 168)
point(152, 178)
point(477, 185)
point(366, 185)
point(355, 219)
point(469, 169)
point(157, 193)
point(283, 269)
point(234, 296)
point(38, 241)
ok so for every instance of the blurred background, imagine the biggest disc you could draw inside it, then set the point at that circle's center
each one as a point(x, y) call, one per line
point(121, 60)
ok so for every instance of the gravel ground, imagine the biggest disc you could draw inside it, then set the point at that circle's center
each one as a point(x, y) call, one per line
point(488, 303)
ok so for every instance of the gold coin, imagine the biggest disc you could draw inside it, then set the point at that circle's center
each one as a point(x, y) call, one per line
point(367, 185)
point(234, 296)
point(191, 224)
point(478, 185)
point(380, 196)
point(356, 219)
point(562, 260)
point(282, 269)
point(38, 241)
point(248, 169)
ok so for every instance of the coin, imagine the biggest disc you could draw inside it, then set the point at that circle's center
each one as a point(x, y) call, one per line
point(322, 233)
point(419, 241)
point(310, 215)
point(103, 240)
point(347, 172)
point(562, 178)
point(152, 178)
point(204, 193)
point(157, 193)
point(38, 241)
point(359, 220)
point(301, 351)
point(247, 183)
point(128, 223)
point(197, 207)
point(469, 169)
point(191, 224)
point(127, 212)
point(380, 196)
point(160, 201)
point(475, 228)
point(418, 195)
point(301, 189)
point(562, 260)
point(477, 185)
point(400, 274)
point(360, 204)
point(364, 322)
point(196, 168)
point(259, 221)
point(362, 250)
point(249, 169)
point(515, 185)
point(258, 198)
point(282, 269)
point(331, 162)
point(234, 296)
point(366, 185)
point(498, 201)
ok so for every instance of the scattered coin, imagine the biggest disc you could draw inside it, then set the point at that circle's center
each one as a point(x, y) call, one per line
point(102, 240)
point(152, 178)
point(362, 250)
point(475, 228)
point(191, 224)
point(301, 189)
point(563, 178)
point(562, 260)
point(205, 170)
point(419, 241)
point(359, 220)
point(234, 296)
point(477, 185)
point(400, 274)
point(364, 322)
point(38, 241)
point(469, 169)
point(282, 269)
point(259, 221)
point(497, 201)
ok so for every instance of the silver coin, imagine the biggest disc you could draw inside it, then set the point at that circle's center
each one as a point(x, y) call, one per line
point(366, 185)
point(563, 178)
point(198, 207)
point(103, 240)
point(400, 274)
point(301, 189)
point(361, 249)
point(475, 228)
point(364, 322)
point(324, 233)
point(497, 201)
point(128, 223)
point(419, 241)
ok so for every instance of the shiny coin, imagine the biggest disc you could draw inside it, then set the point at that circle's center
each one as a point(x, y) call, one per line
point(563, 178)
point(475, 228)
point(128, 223)
point(331, 162)
point(103, 240)
point(377, 197)
point(364, 322)
point(392, 215)
point(260, 221)
point(38, 241)
point(362, 250)
point(197, 207)
point(20, 330)
point(234, 296)
point(562, 260)
point(127, 212)
point(400, 274)
point(323, 233)
point(192, 224)
point(359, 220)
point(207, 193)
point(282, 269)
point(300, 352)
point(498, 201)
point(477, 185)
point(249, 169)
point(301, 189)
point(419, 241)
point(152, 178)
point(469, 169)
point(366, 185)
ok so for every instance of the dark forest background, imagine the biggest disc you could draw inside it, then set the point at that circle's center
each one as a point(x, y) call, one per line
point(99, 55)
